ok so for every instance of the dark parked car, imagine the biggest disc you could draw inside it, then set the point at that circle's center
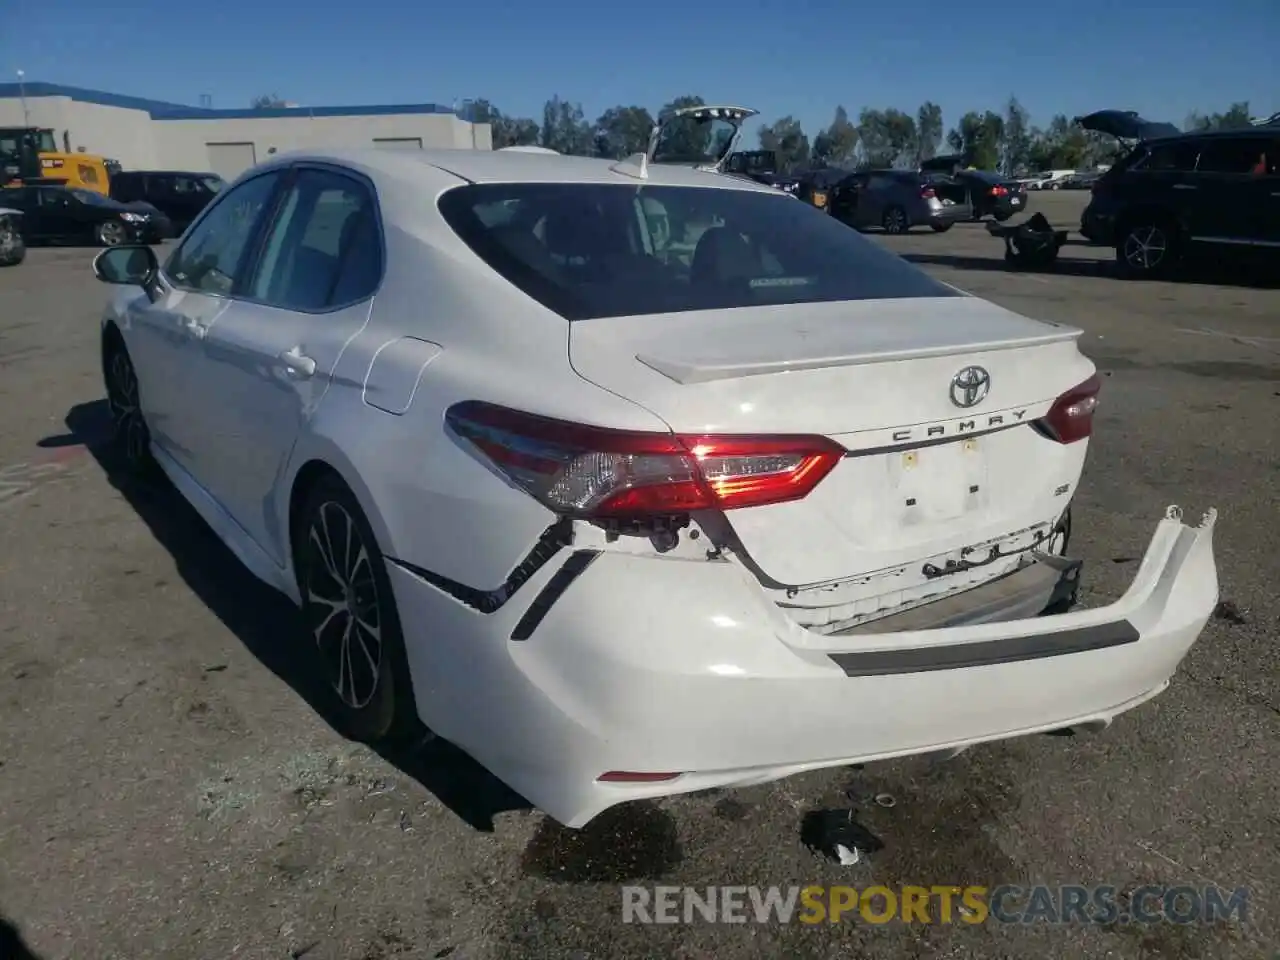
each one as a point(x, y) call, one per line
point(992, 195)
point(1215, 191)
point(897, 200)
point(73, 215)
point(179, 195)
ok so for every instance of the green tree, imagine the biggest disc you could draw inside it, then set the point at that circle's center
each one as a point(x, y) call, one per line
point(505, 131)
point(1015, 138)
point(888, 137)
point(977, 139)
point(1236, 115)
point(786, 139)
point(564, 129)
point(928, 130)
point(837, 145)
point(622, 131)
point(267, 101)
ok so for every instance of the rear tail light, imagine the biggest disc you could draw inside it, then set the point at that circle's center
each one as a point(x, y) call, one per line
point(1071, 416)
point(927, 193)
point(999, 191)
point(594, 472)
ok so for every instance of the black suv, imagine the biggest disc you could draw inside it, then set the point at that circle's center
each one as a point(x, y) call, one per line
point(1215, 192)
point(179, 195)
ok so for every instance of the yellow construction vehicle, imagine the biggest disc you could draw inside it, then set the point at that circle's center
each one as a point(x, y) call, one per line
point(31, 155)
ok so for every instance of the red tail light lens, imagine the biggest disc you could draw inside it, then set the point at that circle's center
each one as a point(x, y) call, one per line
point(1071, 416)
point(999, 191)
point(927, 193)
point(587, 471)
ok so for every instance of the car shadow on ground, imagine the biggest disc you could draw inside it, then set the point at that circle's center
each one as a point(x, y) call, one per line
point(267, 623)
point(12, 946)
point(1241, 275)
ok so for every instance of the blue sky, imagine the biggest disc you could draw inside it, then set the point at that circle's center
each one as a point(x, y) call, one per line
point(801, 57)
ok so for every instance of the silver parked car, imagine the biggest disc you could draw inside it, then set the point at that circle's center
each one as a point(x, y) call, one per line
point(898, 200)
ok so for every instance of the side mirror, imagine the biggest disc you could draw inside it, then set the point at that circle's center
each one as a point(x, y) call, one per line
point(133, 266)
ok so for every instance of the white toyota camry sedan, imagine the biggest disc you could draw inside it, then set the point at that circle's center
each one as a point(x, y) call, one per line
point(633, 479)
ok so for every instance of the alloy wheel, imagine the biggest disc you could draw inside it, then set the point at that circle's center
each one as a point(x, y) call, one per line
point(8, 240)
point(111, 233)
point(895, 221)
point(126, 414)
point(341, 604)
point(1145, 247)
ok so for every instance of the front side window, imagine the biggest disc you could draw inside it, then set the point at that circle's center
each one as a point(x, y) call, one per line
point(211, 257)
point(606, 250)
point(1246, 155)
point(323, 250)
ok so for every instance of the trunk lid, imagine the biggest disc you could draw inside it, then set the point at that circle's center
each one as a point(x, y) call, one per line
point(925, 475)
point(1125, 125)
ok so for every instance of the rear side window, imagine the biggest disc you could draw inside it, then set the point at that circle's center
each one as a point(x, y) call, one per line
point(1178, 156)
point(612, 250)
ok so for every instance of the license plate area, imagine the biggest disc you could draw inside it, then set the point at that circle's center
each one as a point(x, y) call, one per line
point(939, 483)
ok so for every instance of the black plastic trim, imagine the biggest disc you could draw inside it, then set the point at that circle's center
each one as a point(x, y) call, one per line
point(573, 568)
point(552, 541)
point(874, 663)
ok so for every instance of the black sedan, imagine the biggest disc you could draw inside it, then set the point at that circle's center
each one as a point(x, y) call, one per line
point(73, 215)
point(993, 195)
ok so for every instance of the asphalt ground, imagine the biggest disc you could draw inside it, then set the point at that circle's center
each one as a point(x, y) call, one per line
point(168, 791)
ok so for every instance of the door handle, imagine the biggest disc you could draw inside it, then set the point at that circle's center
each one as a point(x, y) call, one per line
point(196, 328)
point(1275, 193)
point(1184, 186)
point(297, 365)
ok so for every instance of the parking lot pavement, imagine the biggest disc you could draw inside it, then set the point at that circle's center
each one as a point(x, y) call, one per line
point(167, 792)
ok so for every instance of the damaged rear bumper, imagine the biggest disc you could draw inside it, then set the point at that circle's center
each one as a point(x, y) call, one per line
point(658, 666)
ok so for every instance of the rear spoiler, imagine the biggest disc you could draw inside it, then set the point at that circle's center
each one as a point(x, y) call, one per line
point(637, 165)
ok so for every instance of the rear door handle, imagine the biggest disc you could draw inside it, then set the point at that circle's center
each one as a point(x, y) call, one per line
point(297, 365)
point(196, 328)
point(1184, 186)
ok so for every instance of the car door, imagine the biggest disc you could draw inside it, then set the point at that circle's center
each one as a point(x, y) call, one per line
point(194, 286)
point(847, 197)
point(59, 217)
point(1229, 191)
point(270, 355)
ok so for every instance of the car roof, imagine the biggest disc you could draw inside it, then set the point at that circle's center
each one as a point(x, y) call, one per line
point(499, 166)
point(166, 173)
point(1261, 132)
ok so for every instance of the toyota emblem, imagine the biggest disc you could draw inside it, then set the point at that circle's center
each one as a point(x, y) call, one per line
point(970, 387)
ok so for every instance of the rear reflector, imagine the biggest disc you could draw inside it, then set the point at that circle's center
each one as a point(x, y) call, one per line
point(628, 776)
point(1071, 416)
point(596, 472)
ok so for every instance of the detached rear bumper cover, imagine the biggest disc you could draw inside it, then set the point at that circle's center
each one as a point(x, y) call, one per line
point(650, 664)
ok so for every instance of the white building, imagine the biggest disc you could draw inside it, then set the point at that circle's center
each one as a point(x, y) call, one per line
point(153, 135)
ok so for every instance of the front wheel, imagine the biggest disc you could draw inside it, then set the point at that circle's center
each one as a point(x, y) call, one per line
point(350, 613)
point(130, 434)
point(12, 247)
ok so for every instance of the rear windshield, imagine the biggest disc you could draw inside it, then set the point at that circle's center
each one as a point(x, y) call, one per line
point(612, 250)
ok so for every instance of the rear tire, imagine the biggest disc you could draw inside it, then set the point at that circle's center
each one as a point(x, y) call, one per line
point(941, 227)
point(1146, 248)
point(350, 614)
point(110, 233)
point(1002, 217)
point(895, 221)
